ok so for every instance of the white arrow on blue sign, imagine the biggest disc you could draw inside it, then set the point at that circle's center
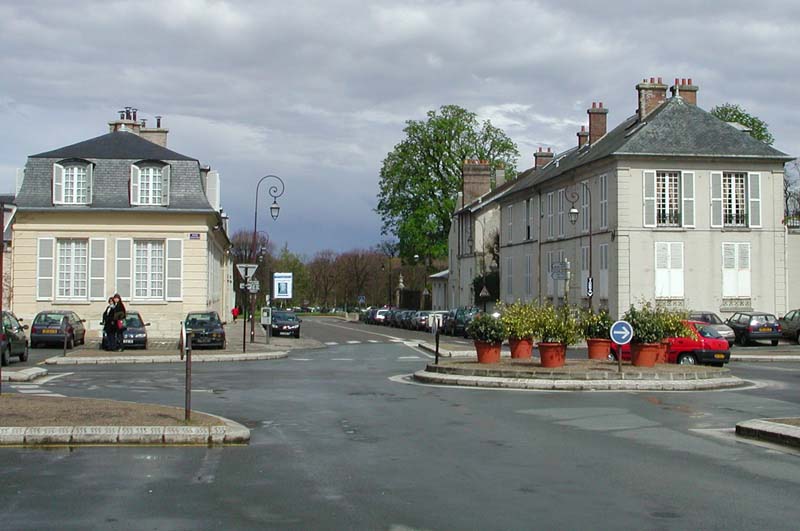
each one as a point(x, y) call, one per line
point(621, 332)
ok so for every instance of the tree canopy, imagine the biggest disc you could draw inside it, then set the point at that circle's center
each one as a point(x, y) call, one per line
point(421, 176)
point(730, 112)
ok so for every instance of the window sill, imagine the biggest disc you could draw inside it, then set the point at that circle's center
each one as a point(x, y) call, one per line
point(146, 302)
point(73, 302)
point(736, 229)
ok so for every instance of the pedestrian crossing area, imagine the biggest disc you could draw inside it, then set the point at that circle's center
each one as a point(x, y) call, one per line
point(368, 342)
point(33, 390)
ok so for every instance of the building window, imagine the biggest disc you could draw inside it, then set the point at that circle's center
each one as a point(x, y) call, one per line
point(149, 184)
point(72, 183)
point(603, 287)
point(528, 274)
point(509, 277)
point(72, 267)
point(510, 230)
point(148, 269)
point(669, 270)
point(584, 270)
point(736, 270)
point(734, 199)
point(667, 198)
point(527, 219)
point(585, 206)
point(561, 219)
point(550, 226)
point(603, 201)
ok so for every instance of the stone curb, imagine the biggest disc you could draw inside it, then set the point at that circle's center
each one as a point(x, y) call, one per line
point(231, 433)
point(774, 432)
point(196, 358)
point(540, 373)
point(764, 357)
point(578, 385)
point(24, 375)
point(424, 345)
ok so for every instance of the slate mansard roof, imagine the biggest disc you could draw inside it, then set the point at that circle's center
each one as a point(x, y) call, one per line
point(674, 129)
point(112, 155)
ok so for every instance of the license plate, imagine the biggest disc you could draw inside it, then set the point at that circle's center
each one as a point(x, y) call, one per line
point(49, 331)
point(719, 356)
point(128, 341)
point(765, 329)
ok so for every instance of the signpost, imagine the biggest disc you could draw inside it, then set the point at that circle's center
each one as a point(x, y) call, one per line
point(589, 287)
point(621, 333)
point(282, 288)
point(247, 271)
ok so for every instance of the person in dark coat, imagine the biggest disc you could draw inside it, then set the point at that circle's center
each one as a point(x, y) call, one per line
point(109, 326)
point(119, 321)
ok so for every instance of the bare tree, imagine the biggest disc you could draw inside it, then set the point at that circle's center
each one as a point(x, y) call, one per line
point(791, 188)
point(322, 276)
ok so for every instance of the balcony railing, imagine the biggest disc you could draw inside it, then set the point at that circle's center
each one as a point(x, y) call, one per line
point(668, 218)
point(735, 219)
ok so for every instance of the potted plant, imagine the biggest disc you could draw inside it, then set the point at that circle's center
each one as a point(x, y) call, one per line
point(557, 328)
point(672, 322)
point(648, 331)
point(596, 328)
point(519, 319)
point(488, 334)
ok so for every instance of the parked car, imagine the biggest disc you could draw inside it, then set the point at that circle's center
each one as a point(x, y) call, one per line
point(135, 332)
point(207, 329)
point(407, 321)
point(13, 341)
point(716, 323)
point(438, 316)
point(420, 320)
point(707, 347)
point(52, 327)
point(448, 322)
point(790, 325)
point(755, 326)
point(380, 316)
point(457, 322)
point(285, 323)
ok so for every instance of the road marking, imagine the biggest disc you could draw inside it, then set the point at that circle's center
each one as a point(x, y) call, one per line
point(341, 359)
point(54, 376)
point(331, 343)
point(396, 340)
point(301, 359)
point(25, 386)
point(408, 358)
point(354, 342)
point(373, 341)
point(31, 391)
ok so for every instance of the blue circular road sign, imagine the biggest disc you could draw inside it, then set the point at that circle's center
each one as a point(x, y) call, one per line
point(621, 332)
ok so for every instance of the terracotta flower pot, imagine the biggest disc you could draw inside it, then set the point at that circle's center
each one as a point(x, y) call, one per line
point(599, 349)
point(487, 352)
point(644, 354)
point(552, 354)
point(663, 347)
point(521, 348)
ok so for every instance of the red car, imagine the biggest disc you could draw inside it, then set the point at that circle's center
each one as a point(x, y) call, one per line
point(707, 347)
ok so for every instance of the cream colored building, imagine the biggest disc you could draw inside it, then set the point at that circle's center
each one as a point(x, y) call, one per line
point(121, 213)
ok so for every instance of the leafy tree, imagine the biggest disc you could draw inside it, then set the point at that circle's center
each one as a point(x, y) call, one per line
point(731, 112)
point(421, 176)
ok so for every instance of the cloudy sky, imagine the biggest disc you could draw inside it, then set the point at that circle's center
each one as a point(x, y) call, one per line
point(317, 92)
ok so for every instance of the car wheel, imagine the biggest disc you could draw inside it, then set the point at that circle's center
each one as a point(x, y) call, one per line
point(5, 356)
point(774, 342)
point(24, 356)
point(798, 337)
point(717, 363)
point(297, 335)
point(687, 359)
point(71, 343)
point(741, 340)
point(611, 356)
point(83, 339)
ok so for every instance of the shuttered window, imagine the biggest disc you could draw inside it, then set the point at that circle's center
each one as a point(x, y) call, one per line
point(174, 269)
point(97, 269)
point(603, 287)
point(45, 268)
point(603, 201)
point(669, 270)
point(585, 206)
point(150, 184)
point(124, 267)
point(754, 186)
point(528, 219)
point(736, 270)
point(72, 269)
point(72, 183)
point(528, 274)
point(550, 281)
point(148, 269)
point(584, 269)
point(550, 219)
point(561, 218)
point(509, 276)
point(510, 225)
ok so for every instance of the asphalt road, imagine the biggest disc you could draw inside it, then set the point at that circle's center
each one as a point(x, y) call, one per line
point(341, 441)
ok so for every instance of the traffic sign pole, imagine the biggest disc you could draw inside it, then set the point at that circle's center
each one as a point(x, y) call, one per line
point(621, 333)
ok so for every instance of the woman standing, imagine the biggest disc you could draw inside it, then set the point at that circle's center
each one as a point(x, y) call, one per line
point(109, 327)
point(119, 322)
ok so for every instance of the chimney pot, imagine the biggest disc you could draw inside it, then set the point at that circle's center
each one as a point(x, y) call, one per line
point(158, 122)
point(690, 81)
point(651, 95)
point(652, 80)
point(134, 111)
point(686, 89)
point(659, 81)
point(542, 157)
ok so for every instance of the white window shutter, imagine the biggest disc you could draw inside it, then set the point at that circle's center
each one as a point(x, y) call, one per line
point(58, 184)
point(743, 272)
point(45, 268)
point(89, 182)
point(754, 187)
point(175, 269)
point(165, 179)
point(729, 274)
point(212, 189)
point(662, 269)
point(97, 269)
point(676, 269)
point(649, 198)
point(136, 174)
point(716, 199)
point(688, 199)
point(124, 267)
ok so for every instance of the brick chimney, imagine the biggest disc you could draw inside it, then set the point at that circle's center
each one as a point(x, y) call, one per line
point(542, 157)
point(126, 122)
point(157, 134)
point(476, 179)
point(598, 120)
point(651, 95)
point(583, 136)
point(686, 90)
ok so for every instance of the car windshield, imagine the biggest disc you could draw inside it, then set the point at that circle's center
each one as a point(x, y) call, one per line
point(710, 318)
point(201, 319)
point(133, 321)
point(48, 319)
point(284, 316)
point(707, 331)
point(756, 320)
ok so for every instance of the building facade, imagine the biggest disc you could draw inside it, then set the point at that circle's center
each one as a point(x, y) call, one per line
point(674, 207)
point(121, 213)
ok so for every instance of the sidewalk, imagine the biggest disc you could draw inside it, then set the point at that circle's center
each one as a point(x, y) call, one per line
point(780, 431)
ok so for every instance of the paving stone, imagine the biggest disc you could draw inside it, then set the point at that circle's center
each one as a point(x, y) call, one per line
point(95, 434)
point(49, 435)
point(141, 434)
point(186, 435)
point(12, 435)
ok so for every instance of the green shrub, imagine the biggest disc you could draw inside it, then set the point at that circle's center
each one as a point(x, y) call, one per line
point(486, 328)
point(596, 325)
point(557, 325)
point(519, 318)
point(648, 323)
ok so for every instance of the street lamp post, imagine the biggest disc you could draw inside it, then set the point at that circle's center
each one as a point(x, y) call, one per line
point(275, 191)
point(573, 197)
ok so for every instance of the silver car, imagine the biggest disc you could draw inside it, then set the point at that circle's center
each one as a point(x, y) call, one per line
point(716, 324)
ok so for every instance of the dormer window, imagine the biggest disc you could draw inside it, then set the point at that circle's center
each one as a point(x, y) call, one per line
point(149, 184)
point(72, 183)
